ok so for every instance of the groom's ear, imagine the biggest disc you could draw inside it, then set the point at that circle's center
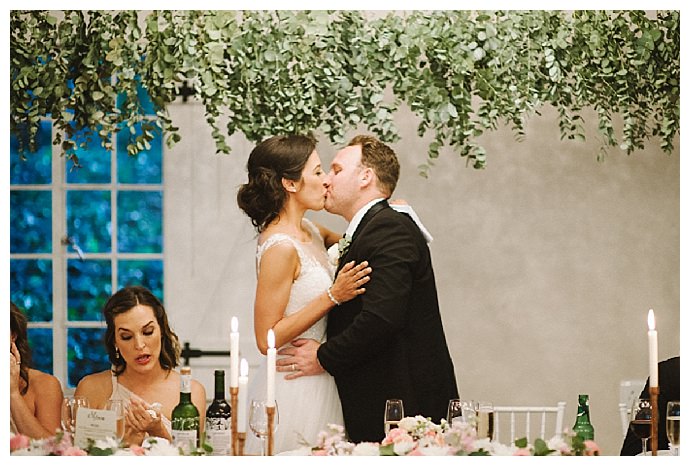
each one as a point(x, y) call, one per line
point(289, 185)
point(366, 177)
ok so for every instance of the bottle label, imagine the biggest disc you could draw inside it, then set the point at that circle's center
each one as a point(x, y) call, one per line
point(185, 439)
point(219, 439)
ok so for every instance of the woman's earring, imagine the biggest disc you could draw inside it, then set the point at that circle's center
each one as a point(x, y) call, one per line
point(117, 353)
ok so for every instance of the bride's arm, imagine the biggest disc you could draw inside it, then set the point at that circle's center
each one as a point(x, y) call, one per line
point(330, 237)
point(278, 269)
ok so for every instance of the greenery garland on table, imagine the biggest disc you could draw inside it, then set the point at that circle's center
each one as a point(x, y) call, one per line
point(463, 73)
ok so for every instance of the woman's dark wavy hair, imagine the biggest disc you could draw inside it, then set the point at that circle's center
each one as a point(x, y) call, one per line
point(125, 300)
point(18, 324)
point(278, 157)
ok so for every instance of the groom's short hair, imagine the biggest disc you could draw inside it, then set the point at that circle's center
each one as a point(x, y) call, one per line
point(380, 158)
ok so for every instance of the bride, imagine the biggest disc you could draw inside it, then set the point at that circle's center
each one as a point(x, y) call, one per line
point(295, 286)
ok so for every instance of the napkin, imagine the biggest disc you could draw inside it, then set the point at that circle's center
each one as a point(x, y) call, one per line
point(407, 209)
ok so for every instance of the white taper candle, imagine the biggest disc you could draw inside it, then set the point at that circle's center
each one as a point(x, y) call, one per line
point(234, 352)
point(271, 370)
point(243, 396)
point(653, 350)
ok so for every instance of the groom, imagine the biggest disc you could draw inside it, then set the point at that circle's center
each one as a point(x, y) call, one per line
point(388, 342)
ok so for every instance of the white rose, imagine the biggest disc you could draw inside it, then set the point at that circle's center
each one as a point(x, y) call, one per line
point(158, 446)
point(408, 424)
point(333, 255)
point(104, 444)
point(403, 448)
point(434, 450)
point(366, 449)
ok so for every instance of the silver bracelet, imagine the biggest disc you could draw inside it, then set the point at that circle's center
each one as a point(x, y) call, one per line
point(330, 296)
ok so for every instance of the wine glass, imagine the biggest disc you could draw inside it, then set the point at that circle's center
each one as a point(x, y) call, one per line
point(673, 426)
point(485, 420)
point(68, 415)
point(454, 411)
point(258, 421)
point(117, 406)
point(641, 421)
point(392, 415)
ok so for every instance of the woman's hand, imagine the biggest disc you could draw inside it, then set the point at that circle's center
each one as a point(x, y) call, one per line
point(348, 283)
point(140, 419)
point(15, 364)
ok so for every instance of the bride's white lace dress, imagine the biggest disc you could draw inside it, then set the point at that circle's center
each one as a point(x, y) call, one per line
point(308, 404)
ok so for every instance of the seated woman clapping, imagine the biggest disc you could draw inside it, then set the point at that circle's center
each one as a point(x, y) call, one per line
point(143, 351)
point(35, 397)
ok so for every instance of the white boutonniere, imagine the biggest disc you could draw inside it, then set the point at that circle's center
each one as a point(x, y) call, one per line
point(338, 250)
point(343, 245)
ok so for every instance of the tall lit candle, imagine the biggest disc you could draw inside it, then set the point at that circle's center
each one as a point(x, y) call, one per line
point(234, 352)
point(653, 350)
point(271, 370)
point(242, 405)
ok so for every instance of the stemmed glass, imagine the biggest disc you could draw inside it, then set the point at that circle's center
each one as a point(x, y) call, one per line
point(641, 421)
point(673, 426)
point(485, 420)
point(68, 415)
point(258, 422)
point(393, 414)
point(117, 406)
point(454, 411)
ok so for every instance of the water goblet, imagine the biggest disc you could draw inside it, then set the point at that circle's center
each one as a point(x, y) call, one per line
point(393, 414)
point(673, 426)
point(117, 406)
point(68, 414)
point(258, 422)
point(485, 420)
point(641, 421)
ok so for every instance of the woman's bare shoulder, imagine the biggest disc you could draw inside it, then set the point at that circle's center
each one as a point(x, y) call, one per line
point(96, 381)
point(44, 382)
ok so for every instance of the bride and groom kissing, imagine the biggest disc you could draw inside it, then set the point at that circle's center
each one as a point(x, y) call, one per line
point(355, 334)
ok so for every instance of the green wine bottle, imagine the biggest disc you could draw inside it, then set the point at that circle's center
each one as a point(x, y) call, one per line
point(583, 427)
point(218, 417)
point(185, 416)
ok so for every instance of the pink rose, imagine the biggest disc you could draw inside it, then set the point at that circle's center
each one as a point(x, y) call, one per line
point(591, 448)
point(397, 435)
point(137, 450)
point(73, 451)
point(522, 452)
point(319, 452)
point(415, 452)
point(56, 447)
point(19, 441)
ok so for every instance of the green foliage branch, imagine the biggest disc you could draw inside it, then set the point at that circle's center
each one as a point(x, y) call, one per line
point(462, 73)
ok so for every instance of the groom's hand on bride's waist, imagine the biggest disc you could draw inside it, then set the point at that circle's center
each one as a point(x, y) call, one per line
point(300, 359)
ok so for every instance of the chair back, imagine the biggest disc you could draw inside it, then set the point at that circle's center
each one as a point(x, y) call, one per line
point(528, 421)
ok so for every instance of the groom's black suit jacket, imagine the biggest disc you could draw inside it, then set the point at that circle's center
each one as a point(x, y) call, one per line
point(389, 342)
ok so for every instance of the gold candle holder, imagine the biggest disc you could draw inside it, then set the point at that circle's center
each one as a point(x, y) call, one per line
point(233, 422)
point(654, 398)
point(270, 414)
point(240, 443)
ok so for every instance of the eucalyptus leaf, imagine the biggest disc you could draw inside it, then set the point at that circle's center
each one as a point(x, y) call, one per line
point(462, 73)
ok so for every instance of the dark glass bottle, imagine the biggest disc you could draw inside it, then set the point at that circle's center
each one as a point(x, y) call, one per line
point(185, 416)
point(218, 417)
point(583, 427)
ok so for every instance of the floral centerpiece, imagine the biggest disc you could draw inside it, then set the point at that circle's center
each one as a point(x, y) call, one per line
point(418, 436)
point(61, 445)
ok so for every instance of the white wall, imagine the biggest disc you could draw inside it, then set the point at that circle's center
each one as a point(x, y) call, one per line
point(546, 262)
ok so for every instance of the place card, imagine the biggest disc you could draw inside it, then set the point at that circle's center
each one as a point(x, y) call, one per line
point(95, 424)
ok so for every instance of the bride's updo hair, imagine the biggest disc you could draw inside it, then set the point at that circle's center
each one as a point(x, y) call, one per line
point(275, 158)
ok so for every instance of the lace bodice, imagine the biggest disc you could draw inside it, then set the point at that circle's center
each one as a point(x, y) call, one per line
point(316, 273)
